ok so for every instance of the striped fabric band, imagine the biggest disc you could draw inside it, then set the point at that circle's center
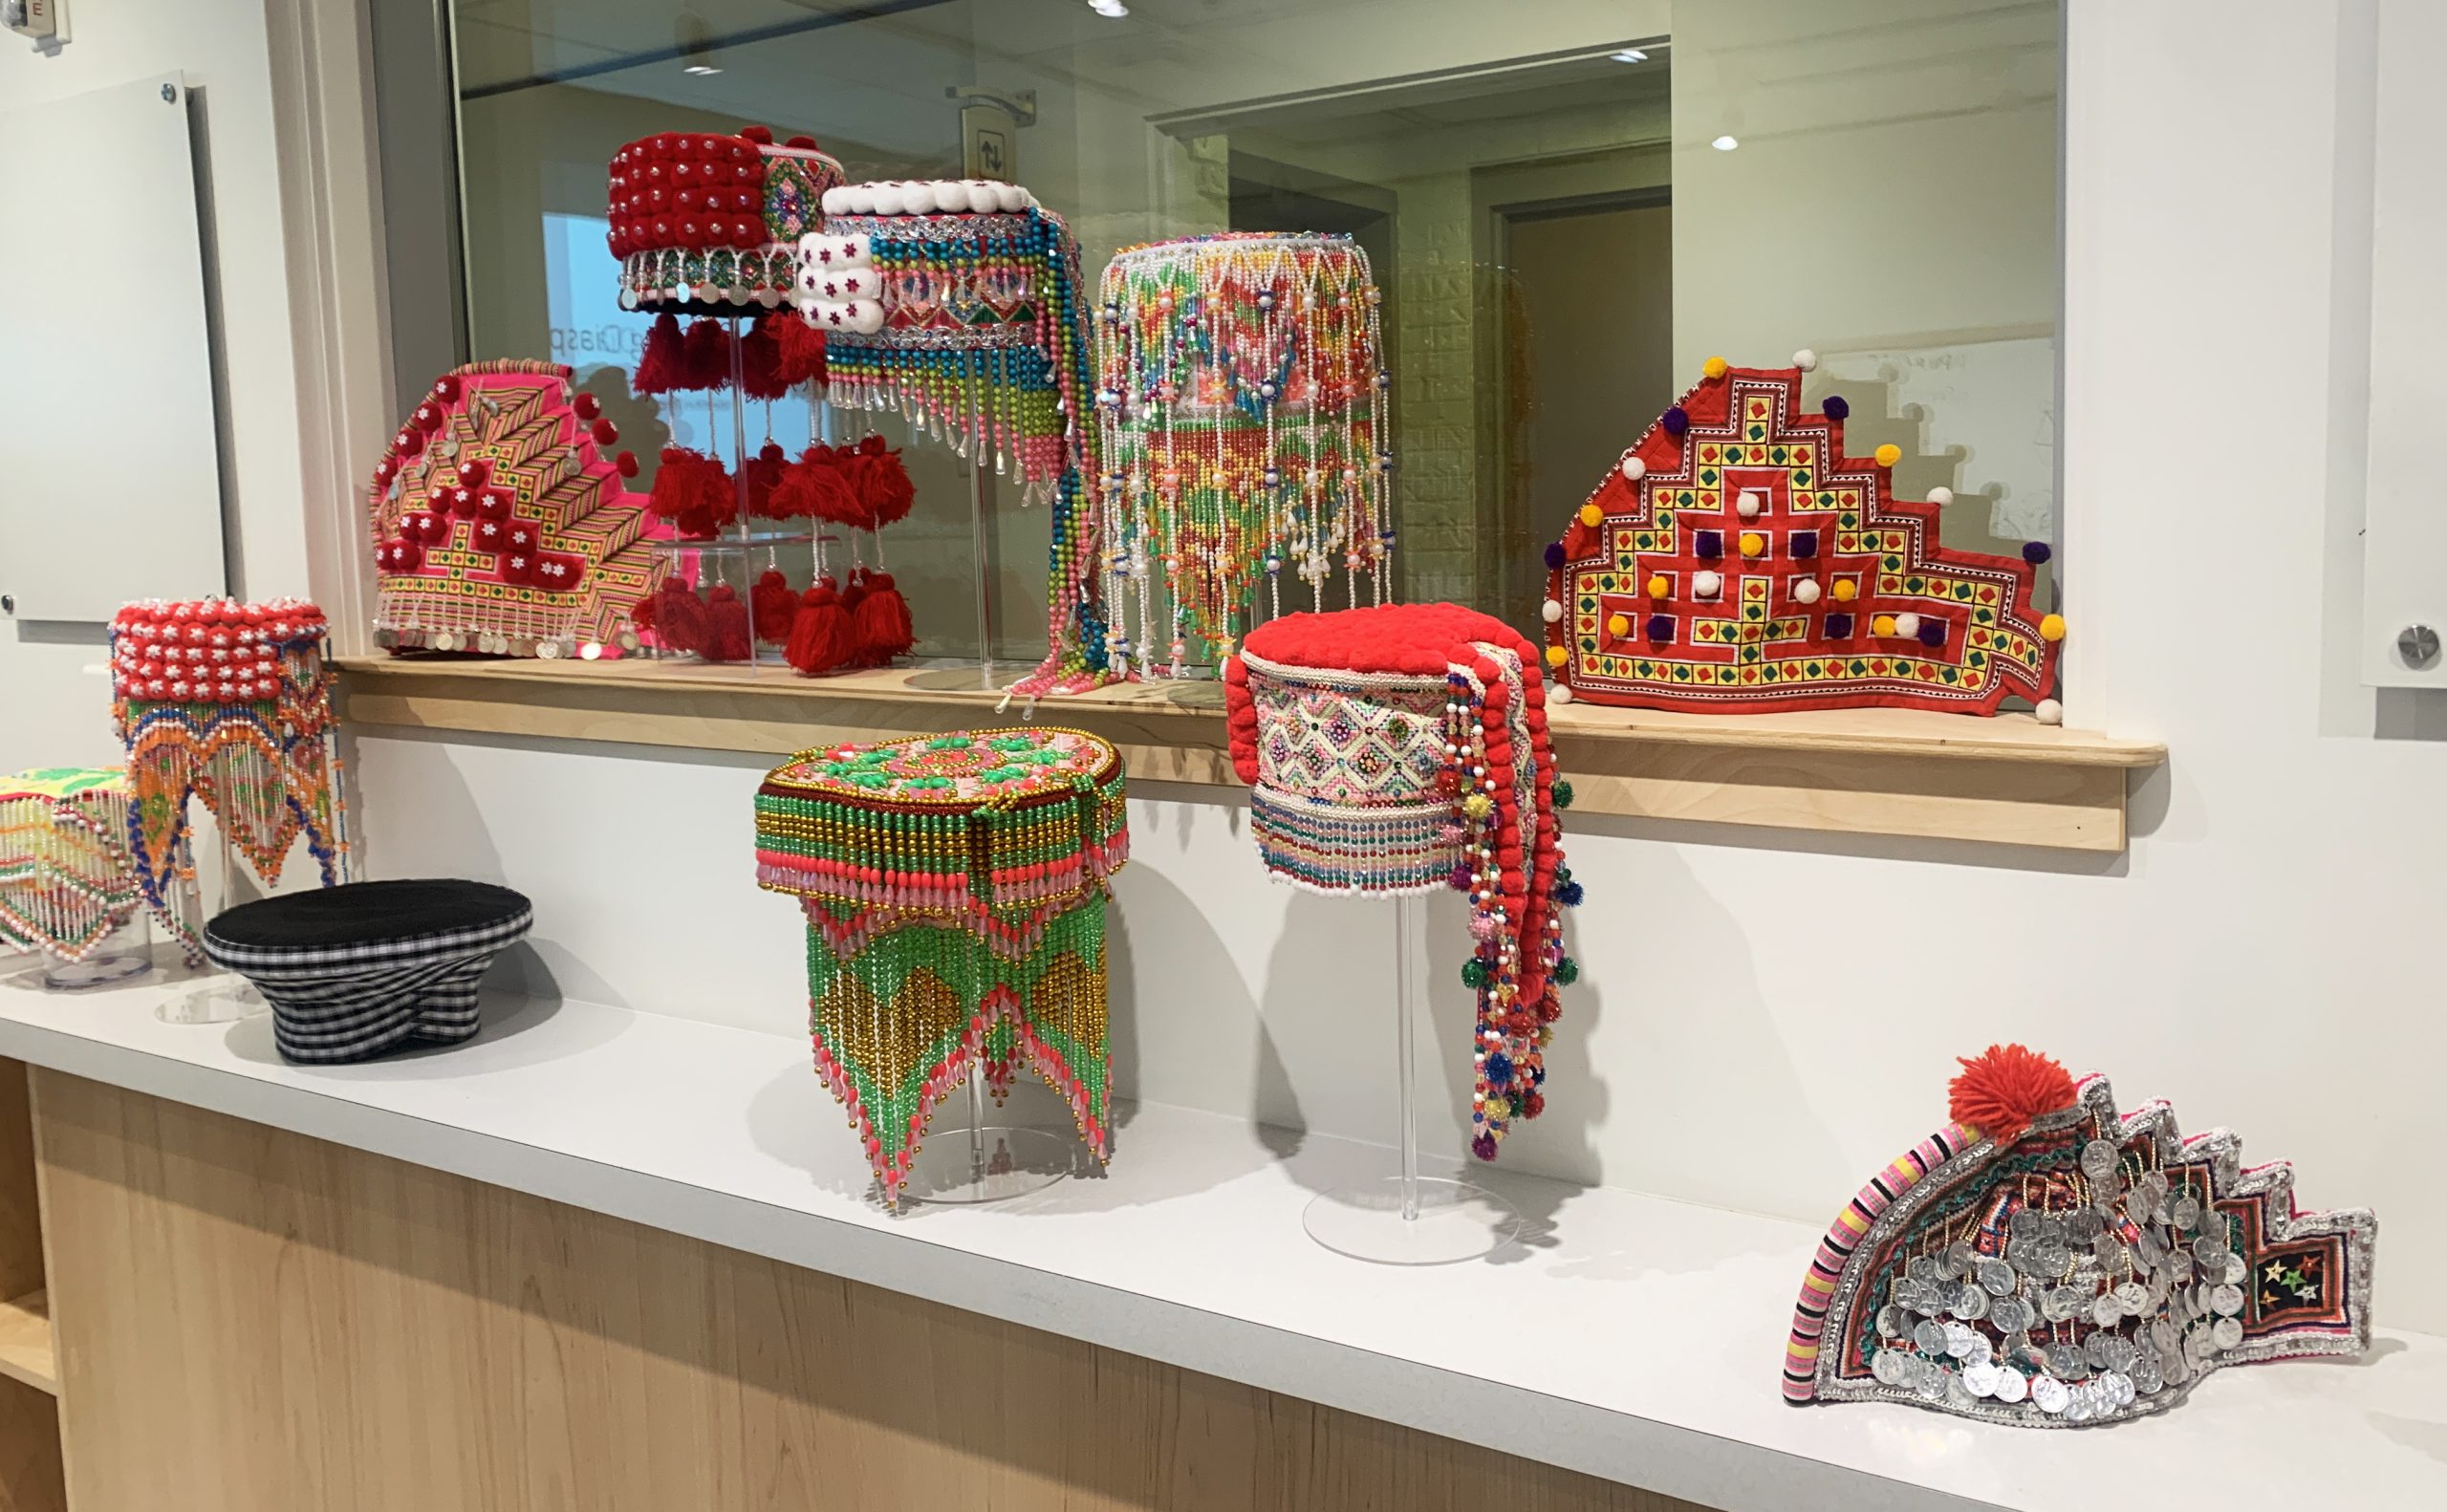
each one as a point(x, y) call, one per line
point(1827, 1268)
point(347, 1003)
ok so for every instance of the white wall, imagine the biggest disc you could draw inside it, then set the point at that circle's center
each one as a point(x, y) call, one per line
point(1764, 1020)
point(59, 714)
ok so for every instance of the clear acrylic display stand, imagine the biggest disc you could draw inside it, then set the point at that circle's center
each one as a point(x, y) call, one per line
point(993, 1161)
point(1410, 1218)
point(222, 998)
point(125, 952)
point(983, 676)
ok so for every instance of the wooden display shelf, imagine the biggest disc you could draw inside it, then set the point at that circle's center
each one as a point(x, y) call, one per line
point(2009, 780)
point(25, 1343)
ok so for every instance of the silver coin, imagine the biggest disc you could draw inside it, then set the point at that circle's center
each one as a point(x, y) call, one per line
point(1887, 1365)
point(2209, 1252)
point(2147, 1377)
point(1996, 1277)
point(2175, 1367)
point(2012, 1386)
point(2154, 1296)
point(1956, 1262)
point(2199, 1345)
point(2052, 1227)
point(2119, 1387)
point(2024, 1223)
point(2163, 1335)
point(2149, 1190)
point(1931, 1336)
point(2054, 1255)
point(1960, 1338)
point(2108, 1251)
point(2085, 1226)
point(1971, 1303)
point(2098, 1159)
point(2151, 1248)
point(1892, 1323)
point(2227, 1300)
point(2082, 1406)
point(2025, 1257)
point(1931, 1385)
point(2104, 1311)
point(2050, 1394)
point(1959, 1396)
point(2236, 1270)
point(1983, 1379)
point(2063, 1303)
point(2130, 1298)
point(2067, 1364)
point(2227, 1332)
point(2094, 1349)
point(2009, 1314)
point(2186, 1211)
point(1923, 1267)
point(1981, 1353)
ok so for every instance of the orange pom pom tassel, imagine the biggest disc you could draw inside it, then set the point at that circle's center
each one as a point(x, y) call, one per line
point(2002, 1089)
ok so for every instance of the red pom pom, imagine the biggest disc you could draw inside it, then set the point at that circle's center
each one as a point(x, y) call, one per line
point(641, 614)
point(765, 472)
point(883, 486)
point(762, 136)
point(821, 637)
point(801, 348)
point(726, 626)
point(760, 362)
point(585, 406)
point(882, 622)
point(773, 605)
point(2001, 1089)
point(445, 388)
point(661, 366)
point(706, 355)
point(809, 142)
point(626, 464)
point(604, 432)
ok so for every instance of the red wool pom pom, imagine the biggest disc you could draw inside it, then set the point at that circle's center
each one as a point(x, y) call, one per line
point(726, 626)
point(882, 485)
point(773, 607)
point(660, 366)
point(605, 433)
point(821, 638)
point(762, 136)
point(764, 472)
point(760, 363)
point(586, 406)
point(882, 622)
point(2001, 1089)
point(801, 347)
point(626, 464)
point(706, 355)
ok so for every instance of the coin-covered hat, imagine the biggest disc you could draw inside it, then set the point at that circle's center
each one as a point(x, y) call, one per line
point(2043, 1260)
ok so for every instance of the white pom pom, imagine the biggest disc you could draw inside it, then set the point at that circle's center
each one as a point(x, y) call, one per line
point(836, 202)
point(1942, 497)
point(866, 316)
point(1010, 196)
point(1907, 626)
point(1550, 610)
point(858, 198)
point(919, 199)
point(952, 195)
point(1558, 695)
point(891, 199)
point(1805, 360)
point(2048, 711)
point(1633, 468)
point(1751, 502)
point(1806, 592)
point(1706, 584)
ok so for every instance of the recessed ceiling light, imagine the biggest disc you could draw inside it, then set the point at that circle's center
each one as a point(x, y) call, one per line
point(701, 70)
point(1631, 55)
point(1109, 9)
point(1725, 143)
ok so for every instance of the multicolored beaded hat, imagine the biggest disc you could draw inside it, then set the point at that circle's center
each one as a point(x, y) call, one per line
point(1402, 748)
point(66, 878)
point(954, 888)
point(1736, 560)
point(500, 526)
point(710, 222)
point(2044, 1261)
point(957, 305)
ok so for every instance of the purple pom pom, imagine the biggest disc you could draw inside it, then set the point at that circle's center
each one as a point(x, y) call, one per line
point(1459, 880)
point(2036, 552)
point(1675, 421)
point(1839, 627)
point(1835, 408)
point(1803, 543)
point(1554, 554)
point(1484, 1147)
point(1932, 632)
point(1660, 628)
point(1707, 545)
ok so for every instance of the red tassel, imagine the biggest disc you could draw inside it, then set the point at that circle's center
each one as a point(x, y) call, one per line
point(815, 487)
point(2005, 1088)
point(760, 363)
point(660, 367)
point(773, 605)
point(820, 635)
point(641, 615)
point(679, 619)
point(706, 360)
point(883, 483)
point(764, 472)
point(884, 628)
point(693, 491)
point(801, 347)
point(726, 626)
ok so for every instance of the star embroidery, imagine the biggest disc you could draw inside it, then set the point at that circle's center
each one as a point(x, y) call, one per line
point(2276, 1268)
point(2308, 1291)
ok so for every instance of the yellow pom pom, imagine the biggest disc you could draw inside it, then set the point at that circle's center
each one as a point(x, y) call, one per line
point(1888, 455)
point(1713, 367)
point(1476, 805)
point(2052, 628)
point(1590, 514)
point(1658, 587)
point(1845, 591)
point(1556, 655)
point(1753, 544)
point(1882, 625)
point(1619, 626)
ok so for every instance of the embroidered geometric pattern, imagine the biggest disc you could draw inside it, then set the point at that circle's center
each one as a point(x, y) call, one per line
point(1737, 560)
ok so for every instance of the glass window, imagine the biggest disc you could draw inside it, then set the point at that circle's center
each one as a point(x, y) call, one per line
point(1568, 205)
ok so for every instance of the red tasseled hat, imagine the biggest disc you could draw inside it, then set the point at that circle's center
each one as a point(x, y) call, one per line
point(705, 356)
point(660, 368)
point(2001, 1089)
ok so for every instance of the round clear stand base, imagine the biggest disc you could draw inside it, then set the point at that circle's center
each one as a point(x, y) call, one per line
point(220, 999)
point(1451, 1222)
point(977, 677)
point(94, 971)
point(986, 1164)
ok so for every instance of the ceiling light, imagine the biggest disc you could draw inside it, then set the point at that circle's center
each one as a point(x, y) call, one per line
point(1725, 143)
point(1631, 55)
point(1109, 9)
point(701, 70)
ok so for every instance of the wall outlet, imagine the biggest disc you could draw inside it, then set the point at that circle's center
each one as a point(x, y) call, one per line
point(34, 18)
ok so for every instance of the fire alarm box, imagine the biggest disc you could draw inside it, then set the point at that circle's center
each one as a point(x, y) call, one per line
point(34, 18)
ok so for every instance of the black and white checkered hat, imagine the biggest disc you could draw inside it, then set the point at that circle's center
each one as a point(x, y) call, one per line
point(355, 970)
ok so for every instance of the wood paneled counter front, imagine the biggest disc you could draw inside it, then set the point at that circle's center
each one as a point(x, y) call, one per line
point(2006, 781)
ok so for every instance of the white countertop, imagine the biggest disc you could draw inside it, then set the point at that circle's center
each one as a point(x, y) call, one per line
point(1657, 1327)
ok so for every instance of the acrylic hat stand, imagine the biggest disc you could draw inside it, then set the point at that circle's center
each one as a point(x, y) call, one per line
point(222, 998)
point(1409, 1218)
point(985, 1162)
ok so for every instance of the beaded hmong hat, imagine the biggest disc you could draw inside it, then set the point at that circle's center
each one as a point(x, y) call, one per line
point(66, 878)
point(1402, 748)
point(711, 221)
point(2043, 1261)
point(500, 526)
point(1736, 559)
